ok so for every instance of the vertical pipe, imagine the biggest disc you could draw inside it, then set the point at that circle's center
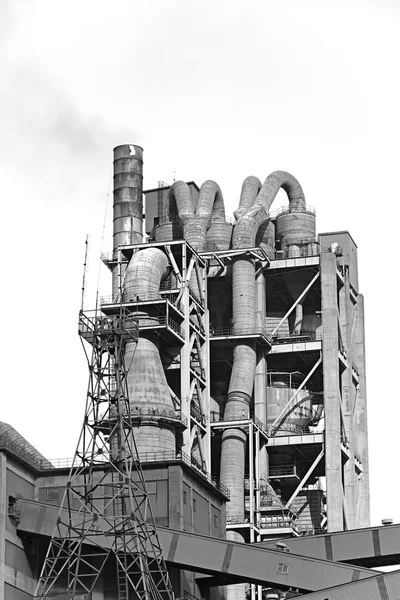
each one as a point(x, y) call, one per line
point(252, 213)
point(257, 480)
point(298, 319)
point(251, 480)
point(260, 378)
point(128, 203)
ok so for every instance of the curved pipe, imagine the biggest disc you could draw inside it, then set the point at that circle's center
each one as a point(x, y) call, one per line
point(211, 202)
point(250, 189)
point(272, 185)
point(253, 212)
point(210, 207)
point(144, 274)
point(179, 202)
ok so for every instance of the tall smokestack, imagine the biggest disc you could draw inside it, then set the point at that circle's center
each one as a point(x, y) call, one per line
point(128, 202)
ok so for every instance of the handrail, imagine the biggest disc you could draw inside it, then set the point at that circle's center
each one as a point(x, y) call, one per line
point(60, 463)
point(23, 454)
point(286, 209)
point(239, 331)
point(166, 297)
point(276, 471)
point(216, 418)
point(157, 413)
point(293, 338)
point(104, 326)
point(177, 221)
point(106, 257)
point(167, 285)
point(148, 322)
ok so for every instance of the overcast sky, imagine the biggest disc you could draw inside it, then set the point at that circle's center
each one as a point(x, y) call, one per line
point(212, 89)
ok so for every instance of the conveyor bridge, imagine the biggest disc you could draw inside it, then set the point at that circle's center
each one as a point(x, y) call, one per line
point(222, 562)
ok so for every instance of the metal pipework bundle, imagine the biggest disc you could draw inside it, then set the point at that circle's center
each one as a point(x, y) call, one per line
point(201, 229)
point(210, 208)
point(252, 213)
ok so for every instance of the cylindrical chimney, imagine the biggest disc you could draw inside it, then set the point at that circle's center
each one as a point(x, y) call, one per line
point(128, 203)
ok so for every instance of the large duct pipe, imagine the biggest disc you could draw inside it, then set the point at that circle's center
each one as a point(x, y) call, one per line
point(271, 186)
point(128, 203)
point(296, 228)
point(146, 378)
point(252, 214)
point(250, 190)
point(210, 207)
point(240, 390)
point(149, 395)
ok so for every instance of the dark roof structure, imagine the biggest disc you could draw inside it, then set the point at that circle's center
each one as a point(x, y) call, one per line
point(11, 441)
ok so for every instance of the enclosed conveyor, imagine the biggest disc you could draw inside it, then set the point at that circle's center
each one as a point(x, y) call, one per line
point(381, 587)
point(369, 547)
point(227, 562)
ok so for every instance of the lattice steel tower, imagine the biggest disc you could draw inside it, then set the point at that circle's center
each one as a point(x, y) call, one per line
point(105, 524)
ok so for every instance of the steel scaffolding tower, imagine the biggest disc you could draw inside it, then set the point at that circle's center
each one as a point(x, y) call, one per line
point(105, 520)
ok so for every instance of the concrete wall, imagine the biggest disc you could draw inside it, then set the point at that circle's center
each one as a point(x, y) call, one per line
point(179, 499)
point(333, 458)
point(18, 568)
point(152, 198)
point(349, 248)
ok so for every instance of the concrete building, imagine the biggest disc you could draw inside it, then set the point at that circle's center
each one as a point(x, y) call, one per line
point(247, 382)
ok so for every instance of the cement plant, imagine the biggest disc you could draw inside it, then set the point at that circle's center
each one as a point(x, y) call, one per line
point(224, 450)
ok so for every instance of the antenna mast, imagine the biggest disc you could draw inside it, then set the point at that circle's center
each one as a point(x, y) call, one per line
point(85, 271)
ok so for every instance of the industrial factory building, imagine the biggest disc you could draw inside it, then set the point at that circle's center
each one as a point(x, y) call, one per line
point(227, 382)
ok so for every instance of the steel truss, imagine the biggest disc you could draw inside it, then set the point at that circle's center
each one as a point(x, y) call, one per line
point(105, 520)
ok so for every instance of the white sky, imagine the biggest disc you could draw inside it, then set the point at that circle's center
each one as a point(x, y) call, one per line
point(212, 89)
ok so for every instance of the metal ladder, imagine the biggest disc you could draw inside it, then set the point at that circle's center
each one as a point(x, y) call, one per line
point(123, 591)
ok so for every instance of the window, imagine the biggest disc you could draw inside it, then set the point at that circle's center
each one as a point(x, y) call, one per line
point(282, 568)
point(151, 487)
point(52, 494)
point(185, 497)
point(194, 504)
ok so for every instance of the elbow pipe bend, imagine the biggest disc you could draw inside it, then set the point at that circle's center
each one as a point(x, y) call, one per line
point(144, 274)
point(253, 212)
point(250, 190)
point(246, 227)
point(179, 202)
point(210, 205)
point(271, 186)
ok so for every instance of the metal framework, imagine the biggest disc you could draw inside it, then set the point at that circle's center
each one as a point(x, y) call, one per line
point(184, 323)
point(327, 368)
point(105, 520)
